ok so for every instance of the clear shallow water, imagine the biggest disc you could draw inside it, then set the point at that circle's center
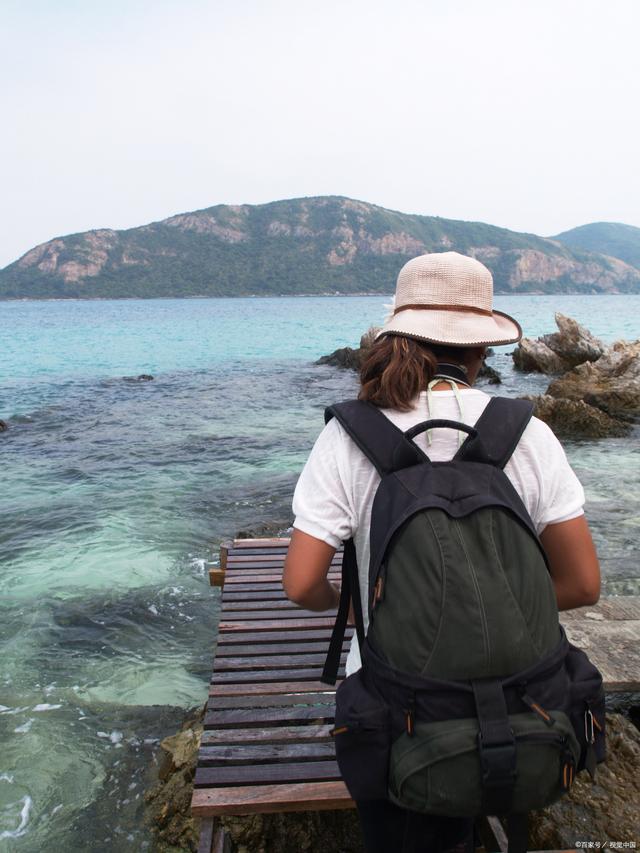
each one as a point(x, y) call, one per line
point(114, 493)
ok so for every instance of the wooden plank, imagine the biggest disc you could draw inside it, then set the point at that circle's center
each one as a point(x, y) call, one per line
point(273, 734)
point(257, 774)
point(274, 752)
point(277, 624)
point(268, 605)
point(612, 608)
point(205, 842)
point(268, 558)
point(265, 595)
point(260, 615)
point(227, 638)
point(254, 677)
point(276, 700)
point(270, 541)
point(266, 576)
point(260, 648)
point(258, 717)
point(265, 799)
point(614, 647)
point(257, 662)
point(270, 689)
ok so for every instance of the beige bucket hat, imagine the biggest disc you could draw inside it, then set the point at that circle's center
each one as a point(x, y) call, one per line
point(447, 298)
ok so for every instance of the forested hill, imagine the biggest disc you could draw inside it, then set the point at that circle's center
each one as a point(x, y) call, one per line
point(609, 238)
point(302, 246)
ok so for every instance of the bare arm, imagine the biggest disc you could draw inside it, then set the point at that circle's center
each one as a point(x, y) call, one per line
point(305, 573)
point(573, 562)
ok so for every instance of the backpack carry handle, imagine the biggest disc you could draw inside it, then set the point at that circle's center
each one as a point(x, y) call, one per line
point(439, 422)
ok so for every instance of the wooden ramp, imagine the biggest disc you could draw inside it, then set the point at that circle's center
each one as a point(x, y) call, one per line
point(266, 746)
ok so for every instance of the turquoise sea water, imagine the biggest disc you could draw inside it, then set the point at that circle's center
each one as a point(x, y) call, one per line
point(115, 492)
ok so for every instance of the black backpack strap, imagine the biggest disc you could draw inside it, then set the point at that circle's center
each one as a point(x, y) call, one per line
point(499, 429)
point(382, 442)
point(349, 592)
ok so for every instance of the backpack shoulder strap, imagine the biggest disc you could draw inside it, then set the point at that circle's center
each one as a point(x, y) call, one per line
point(386, 446)
point(499, 429)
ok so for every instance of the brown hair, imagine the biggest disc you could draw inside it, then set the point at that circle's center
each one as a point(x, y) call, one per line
point(397, 368)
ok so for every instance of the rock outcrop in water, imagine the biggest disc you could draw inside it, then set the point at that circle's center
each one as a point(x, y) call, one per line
point(598, 391)
point(570, 346)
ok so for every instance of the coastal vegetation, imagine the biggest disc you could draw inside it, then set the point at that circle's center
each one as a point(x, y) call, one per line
point(321, 245)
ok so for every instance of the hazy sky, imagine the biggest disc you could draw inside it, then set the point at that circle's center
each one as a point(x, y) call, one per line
point(119, 112)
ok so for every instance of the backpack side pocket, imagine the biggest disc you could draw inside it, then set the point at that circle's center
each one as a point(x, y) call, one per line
point(362, 738)
point(586, 708)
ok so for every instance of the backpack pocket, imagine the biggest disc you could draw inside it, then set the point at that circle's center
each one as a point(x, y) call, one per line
point(586, 708)
point(437, 770)
point(362, 738)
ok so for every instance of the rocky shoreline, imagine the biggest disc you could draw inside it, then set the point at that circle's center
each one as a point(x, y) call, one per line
point(594, 390)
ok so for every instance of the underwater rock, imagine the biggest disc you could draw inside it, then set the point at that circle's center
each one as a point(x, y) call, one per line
point(576, 418)
point(604, 810)
point(570, 346)
point(143, 377)
point(4, 426)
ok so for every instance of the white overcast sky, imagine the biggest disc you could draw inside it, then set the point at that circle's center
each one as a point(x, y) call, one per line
point(119, 112)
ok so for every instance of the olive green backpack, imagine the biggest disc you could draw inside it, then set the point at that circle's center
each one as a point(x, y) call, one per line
point(470, 700)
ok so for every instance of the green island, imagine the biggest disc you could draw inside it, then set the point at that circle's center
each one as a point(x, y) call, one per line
point(312, 246)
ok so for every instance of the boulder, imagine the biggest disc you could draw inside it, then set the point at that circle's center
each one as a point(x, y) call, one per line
point(345, 357)
point(571, 345)
point(576, 418)
point(611, 384)
point(536, 357)
point(4, 426)
point(604, 810)
point(490, 374)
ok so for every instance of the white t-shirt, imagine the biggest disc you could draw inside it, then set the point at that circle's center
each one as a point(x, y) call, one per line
point(334, 495)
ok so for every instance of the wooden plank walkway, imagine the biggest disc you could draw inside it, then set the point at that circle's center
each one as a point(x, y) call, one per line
point(266, 745)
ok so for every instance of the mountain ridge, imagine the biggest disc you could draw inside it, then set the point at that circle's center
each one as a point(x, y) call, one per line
point(606, 238)
point(302, 246)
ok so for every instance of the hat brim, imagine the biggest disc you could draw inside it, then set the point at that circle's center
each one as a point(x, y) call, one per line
point(454, 328)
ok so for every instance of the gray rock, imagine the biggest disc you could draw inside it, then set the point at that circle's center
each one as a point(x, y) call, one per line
point(604, 810)
point(537, 357)
point(611, 384)
point(572, 343)
point(576, 418)
point(345, 357)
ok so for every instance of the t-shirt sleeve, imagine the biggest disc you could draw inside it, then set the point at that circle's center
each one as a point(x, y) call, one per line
point(321, 502)
point(560, 496)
